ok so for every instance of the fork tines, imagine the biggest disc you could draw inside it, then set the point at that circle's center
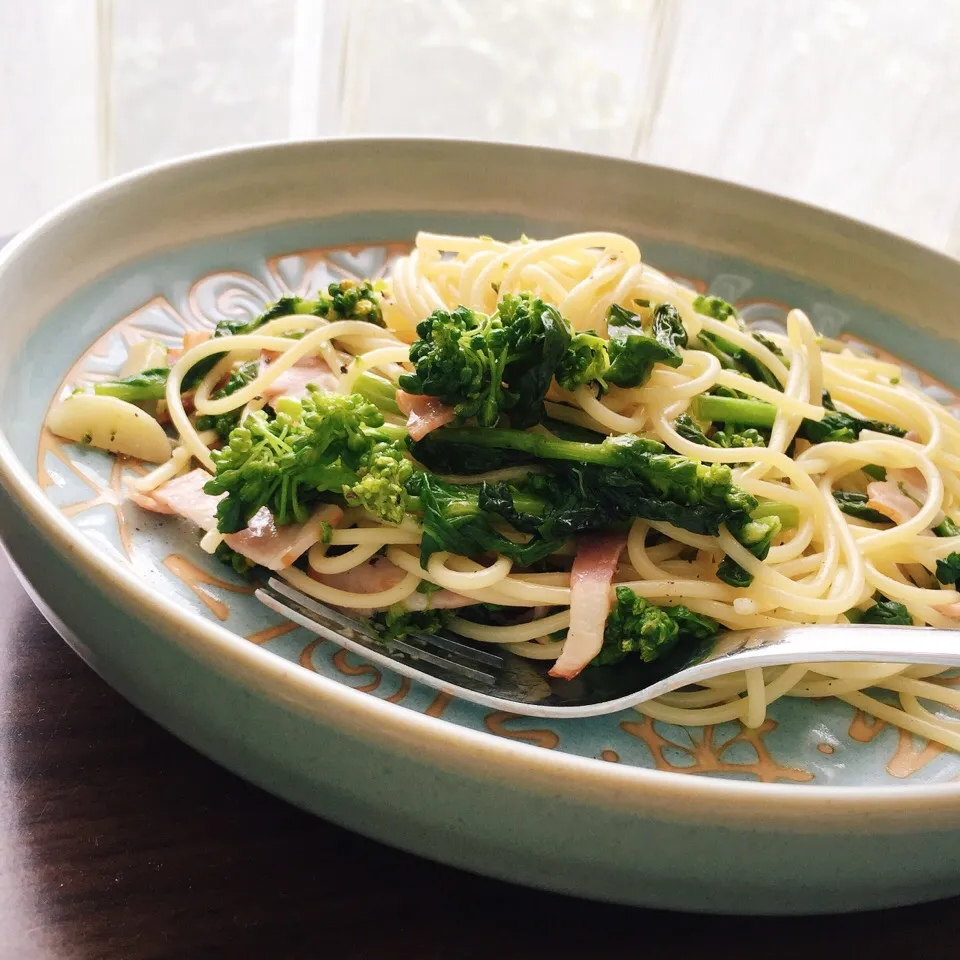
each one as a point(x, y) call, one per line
point(438, 651)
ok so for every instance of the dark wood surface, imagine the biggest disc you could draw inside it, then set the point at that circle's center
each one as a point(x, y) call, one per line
point(117, 841)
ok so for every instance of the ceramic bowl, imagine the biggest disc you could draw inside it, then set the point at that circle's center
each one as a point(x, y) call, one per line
point(822, 809)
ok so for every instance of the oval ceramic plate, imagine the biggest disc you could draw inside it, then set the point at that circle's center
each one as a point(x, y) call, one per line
point(183, 246)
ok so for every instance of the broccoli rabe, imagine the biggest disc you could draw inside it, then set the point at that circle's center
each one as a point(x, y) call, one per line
point(855, 505)
point(756, 535)
point(738, 439)
point(398, 622)
point(485, 366)
point(715, 307)
point(627, 358)
point(455, 520)
point(224, 423)
point(884, 612)
point(240, 564)
point(284, 463)
point(947, 528)
point(948, 569)
point(138, 387)
point(835, 426)
point(586, 360)
point(635, 625)
point(638, 478)
point(380, 485)
point(732, 357)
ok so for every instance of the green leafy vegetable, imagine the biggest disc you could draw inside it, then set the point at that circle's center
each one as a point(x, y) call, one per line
point(947, 528)
point(715, 307)
point(834, 426)
point(237, 561)
point(743, 412)
point(627, 358)
point(586, 360)
point(138, 387)
point(756, 535)
point(633, 352)
point(637, 626)
point(638, 479)
point(948, 569)
point(883, 612)
point(855, 504)
point(224, 423)
point(398, 622)
point(454, 521)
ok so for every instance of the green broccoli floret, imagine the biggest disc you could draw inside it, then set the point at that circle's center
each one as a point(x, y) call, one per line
point(285, 462)
point(345, 300)
point(349, 300)
point(380, 488)
point(586, 360)
point(739, 438)
point(635, 625)
point(484, 366)
point(756, 535)
point(715, 307)
point(398, 622)
point(240, 564)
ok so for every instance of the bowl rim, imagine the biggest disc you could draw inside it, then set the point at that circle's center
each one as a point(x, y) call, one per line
point(472, 751)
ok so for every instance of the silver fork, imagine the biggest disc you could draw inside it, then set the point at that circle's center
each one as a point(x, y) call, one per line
point(494, 677)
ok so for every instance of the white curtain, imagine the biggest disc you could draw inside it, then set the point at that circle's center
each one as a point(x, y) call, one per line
point(850, 104)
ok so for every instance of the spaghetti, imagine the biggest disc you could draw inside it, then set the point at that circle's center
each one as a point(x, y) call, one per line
point(873, 505)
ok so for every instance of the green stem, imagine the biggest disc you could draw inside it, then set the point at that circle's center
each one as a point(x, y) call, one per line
point(378, 391)
point(789, 513)
point(132, 392)
point(747, 413)
point(534, 444)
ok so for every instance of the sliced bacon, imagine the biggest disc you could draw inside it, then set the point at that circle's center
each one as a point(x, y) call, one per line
point(146, 502)
point(191, 339)
point(590, 577)
point(262, 542)
point(293, 381)
point(886, 498)
point(374, 576)
point(438, 600)
point(276, 547)
point(184, 496)
point(424, 413)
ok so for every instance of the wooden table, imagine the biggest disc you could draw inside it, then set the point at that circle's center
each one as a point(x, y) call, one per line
point(116, 841)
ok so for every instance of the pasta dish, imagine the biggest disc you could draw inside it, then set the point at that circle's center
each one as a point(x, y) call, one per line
point(553, 446)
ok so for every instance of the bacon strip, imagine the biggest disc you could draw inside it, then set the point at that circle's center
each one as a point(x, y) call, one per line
point(886, 498)
point(424, 414)
point(276, 547)
point(293, 381)
point(262, 542)
point(590, 578)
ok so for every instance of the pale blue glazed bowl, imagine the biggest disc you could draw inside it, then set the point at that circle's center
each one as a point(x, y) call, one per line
point(821, 810)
